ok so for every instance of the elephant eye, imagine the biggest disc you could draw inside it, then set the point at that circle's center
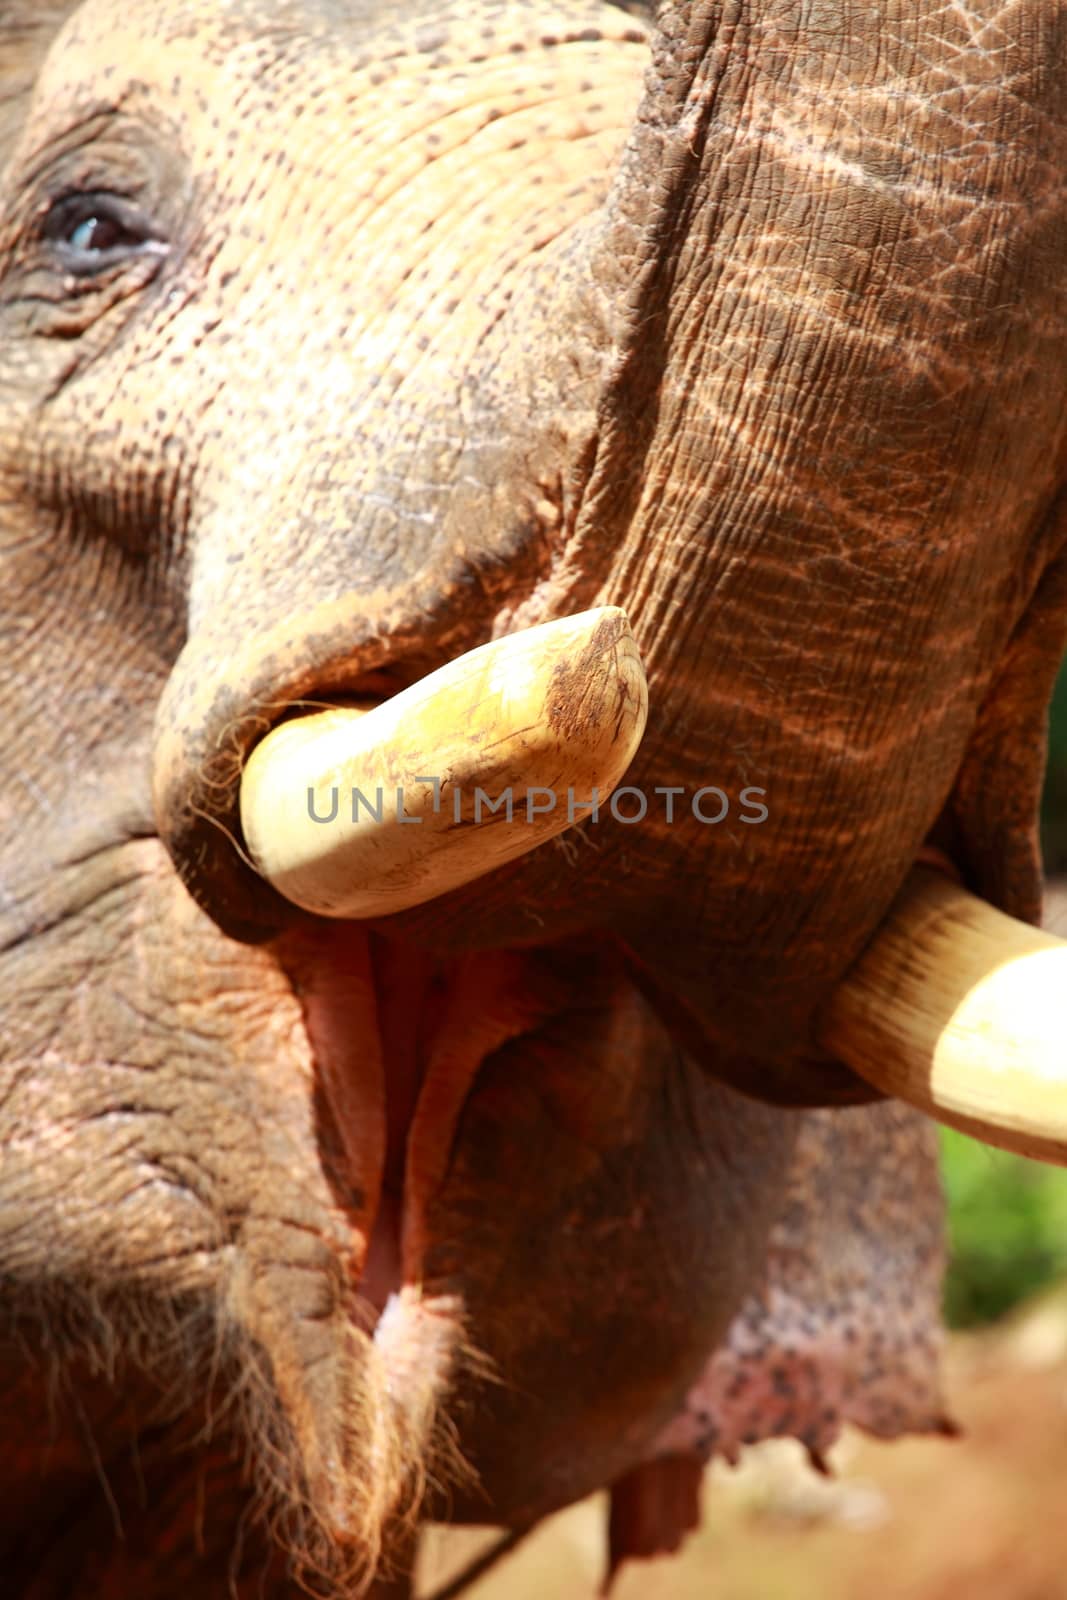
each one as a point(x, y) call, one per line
point(91, 231)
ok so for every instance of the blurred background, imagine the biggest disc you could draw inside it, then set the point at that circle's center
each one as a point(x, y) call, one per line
point(983, 1517)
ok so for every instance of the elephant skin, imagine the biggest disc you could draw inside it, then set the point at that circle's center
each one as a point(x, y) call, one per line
point(337, 339)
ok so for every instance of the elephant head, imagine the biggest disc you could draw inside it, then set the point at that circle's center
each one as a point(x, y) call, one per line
point(338, 339)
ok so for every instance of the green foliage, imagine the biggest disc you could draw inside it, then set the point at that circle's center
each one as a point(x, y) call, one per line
point(1007, 1228)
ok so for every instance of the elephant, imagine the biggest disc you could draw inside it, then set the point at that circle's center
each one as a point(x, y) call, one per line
point(338, 340)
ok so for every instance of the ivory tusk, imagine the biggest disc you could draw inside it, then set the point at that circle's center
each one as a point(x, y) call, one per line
point(551, 717)
point(962, 1012)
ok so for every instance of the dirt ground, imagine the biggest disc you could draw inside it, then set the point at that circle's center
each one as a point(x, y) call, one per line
point(980, 1518)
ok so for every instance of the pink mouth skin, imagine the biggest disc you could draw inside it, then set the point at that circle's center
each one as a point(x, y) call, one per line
point(397, 1038)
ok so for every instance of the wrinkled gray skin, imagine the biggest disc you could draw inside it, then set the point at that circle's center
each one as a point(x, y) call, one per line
point(400, 327)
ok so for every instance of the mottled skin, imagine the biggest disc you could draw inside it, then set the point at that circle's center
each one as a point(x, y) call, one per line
point(445, 325)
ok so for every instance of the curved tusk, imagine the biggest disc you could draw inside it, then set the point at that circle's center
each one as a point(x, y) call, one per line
point(551, 717)
point(962, 1012)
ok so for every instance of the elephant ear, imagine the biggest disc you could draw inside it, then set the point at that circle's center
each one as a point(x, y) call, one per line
point(26, 31)
point(844, 1327)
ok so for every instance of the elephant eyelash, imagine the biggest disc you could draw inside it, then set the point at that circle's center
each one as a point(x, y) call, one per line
point(93, 230)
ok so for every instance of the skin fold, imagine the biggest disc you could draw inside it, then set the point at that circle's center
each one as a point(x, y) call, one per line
point(338, 339)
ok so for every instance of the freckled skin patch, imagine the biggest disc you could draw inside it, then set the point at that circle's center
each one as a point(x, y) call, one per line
point(467, 317)
point(812, 1348)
